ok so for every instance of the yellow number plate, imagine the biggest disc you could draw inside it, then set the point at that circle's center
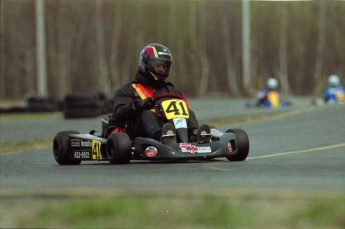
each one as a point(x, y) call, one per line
point(96, 150)
point(175, 108)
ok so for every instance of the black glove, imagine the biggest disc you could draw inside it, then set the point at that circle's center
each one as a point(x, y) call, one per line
point(145, 104)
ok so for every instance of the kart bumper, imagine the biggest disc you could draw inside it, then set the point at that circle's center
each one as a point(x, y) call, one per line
point(151, 149)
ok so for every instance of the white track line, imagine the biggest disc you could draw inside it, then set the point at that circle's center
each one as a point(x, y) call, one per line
point(300, 151)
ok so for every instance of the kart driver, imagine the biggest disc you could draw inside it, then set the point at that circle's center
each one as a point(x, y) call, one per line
point(270, 96)
point(133, 103)
point(334, 92)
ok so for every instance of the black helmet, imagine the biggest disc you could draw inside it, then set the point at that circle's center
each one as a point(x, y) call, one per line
point(154, 55)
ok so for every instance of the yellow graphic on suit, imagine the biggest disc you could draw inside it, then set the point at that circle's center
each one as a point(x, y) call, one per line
point(96, 150)
point(340, 95)
point(143, 91)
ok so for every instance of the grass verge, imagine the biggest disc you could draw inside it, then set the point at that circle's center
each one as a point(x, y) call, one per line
point(26, 145)
point(21, 116)
point(245, 209)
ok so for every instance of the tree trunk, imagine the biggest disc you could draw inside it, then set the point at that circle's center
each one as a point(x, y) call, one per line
point(283, 75)
point(202, 48)
point(320, 45)
point(63, 49)
point(246, 47)
point(230, 71)
point(194, 46)
point(103, 76)
point(115, 73)
point(3, 51)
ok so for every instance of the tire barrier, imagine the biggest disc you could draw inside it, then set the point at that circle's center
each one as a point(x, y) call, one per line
point(12, 110)
point(86, 105)
point(75, 105)
point(41, 104)
point(35, 104)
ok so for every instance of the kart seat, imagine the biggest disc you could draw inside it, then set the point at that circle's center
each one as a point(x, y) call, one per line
point(109, 125)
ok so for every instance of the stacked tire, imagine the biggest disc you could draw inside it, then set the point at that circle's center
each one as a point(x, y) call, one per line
point(37, 103)
point(86, 105)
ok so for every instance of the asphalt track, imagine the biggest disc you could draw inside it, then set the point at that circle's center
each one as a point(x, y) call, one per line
point(302, 148)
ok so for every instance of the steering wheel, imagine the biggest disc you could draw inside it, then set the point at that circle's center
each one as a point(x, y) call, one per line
point(170, 95)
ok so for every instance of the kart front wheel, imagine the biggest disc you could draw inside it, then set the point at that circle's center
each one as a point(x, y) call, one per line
point(61, 148)
point(119, 148)
point(242, 142)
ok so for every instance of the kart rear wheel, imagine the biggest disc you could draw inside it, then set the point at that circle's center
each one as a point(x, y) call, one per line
point(61, 148)
point(242, 141)
point(119, 148)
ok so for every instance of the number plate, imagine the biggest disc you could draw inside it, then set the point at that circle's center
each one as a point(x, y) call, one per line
point(96, 150)
point(175, 108)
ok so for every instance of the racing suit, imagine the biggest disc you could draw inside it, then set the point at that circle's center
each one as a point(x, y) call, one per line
point(144, 123)
point(334, 94)
point(268, 98)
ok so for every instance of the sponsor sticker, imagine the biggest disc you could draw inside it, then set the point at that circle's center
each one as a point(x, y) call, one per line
point(204, 149)
point(189, 148)
point(229, 147)
point(215, 131)
point(180, 123)
point(151, 151)
point(85, 143)
point(81, 154)
point(75, 142)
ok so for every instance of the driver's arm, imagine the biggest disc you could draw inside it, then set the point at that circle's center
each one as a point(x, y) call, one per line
point(123, 104)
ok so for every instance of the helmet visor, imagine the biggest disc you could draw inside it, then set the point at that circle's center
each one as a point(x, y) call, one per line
point(159, 66)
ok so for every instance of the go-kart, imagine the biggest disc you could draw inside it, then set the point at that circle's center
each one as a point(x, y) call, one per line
point(337, 97)
point(271, 100)
point(118, 147)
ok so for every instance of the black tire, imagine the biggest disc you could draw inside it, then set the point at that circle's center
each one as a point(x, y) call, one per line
point(242, 141)
point(41, 107)
point(81, 97)
point(81, 113)
point(61, 148)
point(119, 148)
point(41, 104)
point(92, 104)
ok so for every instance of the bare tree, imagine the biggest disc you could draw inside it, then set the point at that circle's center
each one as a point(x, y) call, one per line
point(59, 47)
point(320, 44)
point(41, 48)
point(115, 67)
point(103, 75)
point(2, 48)
point(246, 47)
point(201, 49)
point(226, 41)
point(283, 59)
point(193, 41)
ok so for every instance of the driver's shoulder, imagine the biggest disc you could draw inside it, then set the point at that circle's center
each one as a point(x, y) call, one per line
point(125, 89)
point(170, 84)
point(172, 87)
